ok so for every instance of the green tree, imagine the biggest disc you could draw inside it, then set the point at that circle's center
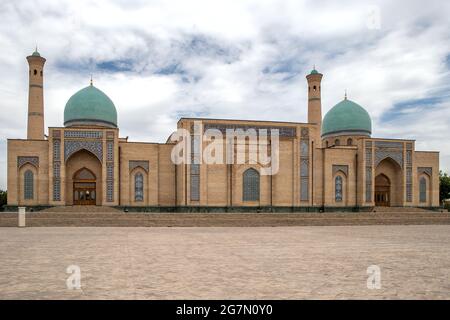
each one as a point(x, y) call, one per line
point(3, 198)
point(444, 186)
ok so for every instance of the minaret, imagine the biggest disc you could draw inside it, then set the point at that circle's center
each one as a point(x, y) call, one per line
point(314, 101)
point(35, 129)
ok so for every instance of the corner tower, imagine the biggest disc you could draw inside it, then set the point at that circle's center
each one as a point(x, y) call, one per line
point(35, 128)
point(314, 100)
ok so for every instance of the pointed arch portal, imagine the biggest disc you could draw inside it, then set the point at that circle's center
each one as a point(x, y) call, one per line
point(84, 187)
point(382, 191)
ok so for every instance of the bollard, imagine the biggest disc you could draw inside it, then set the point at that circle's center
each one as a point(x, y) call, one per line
point(21, 216)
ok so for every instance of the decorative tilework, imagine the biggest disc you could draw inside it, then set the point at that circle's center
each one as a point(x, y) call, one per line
point(109, 150)
point(109, 182)
point(56, 150)
point(396, 155)
point(283, 131)
point(388, 149)
point(139, 187)
point(72, 146)
point(28, 185)
point(110, 170)
point(83, 134)
point(368, 170)
point(56, 170)
point(195, 167)
point(389, 144)
point(195, 182)
point(338, 189)
point(422, 190)
point(304, 164)
point(23, 160)
point(57, 134)
point(343, 168)
point(138, 163)
point(408, 157)
point(408, 184)
point(250, 185)
point(426, 170)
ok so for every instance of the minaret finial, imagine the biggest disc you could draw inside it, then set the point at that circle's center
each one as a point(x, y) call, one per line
point(91, 80)
point(345, 96)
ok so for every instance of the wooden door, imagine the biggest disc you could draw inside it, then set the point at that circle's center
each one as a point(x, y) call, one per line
point(84, 193)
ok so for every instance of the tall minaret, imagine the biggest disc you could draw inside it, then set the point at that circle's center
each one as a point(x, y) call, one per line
point(35, 129)
point(314, 101)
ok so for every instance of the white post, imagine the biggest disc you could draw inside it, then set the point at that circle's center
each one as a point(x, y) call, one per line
point(21, 216)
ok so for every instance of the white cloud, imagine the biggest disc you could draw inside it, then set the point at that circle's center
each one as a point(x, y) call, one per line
point(231, 59)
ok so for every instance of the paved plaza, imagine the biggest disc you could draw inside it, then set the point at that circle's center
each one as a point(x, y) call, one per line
point(226, 263)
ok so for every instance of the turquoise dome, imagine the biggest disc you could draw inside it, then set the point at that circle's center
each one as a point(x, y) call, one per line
point(347, 118)
point(314, 71)
point(90, 106)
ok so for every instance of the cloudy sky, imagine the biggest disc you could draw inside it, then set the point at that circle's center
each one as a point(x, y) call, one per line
point(161, 60)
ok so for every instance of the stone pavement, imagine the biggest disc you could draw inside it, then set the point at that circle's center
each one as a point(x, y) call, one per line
point(226, 263)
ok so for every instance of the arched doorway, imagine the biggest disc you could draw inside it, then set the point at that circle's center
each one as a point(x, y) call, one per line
point(390, 178)
point(84, 187)
point(76, 176)
point(382, 191)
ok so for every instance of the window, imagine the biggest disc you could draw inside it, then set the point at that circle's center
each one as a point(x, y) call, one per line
point(35, 72)
point(138, 187)
point(338, 189)
point(28, 185)
point(423, 190)
point(315, 88)
point(250, 185)
point(326, 144)
point(337, 142)
point(195, 168)
point(350, 141)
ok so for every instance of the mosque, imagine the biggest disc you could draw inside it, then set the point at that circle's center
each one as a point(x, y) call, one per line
point(324, 164)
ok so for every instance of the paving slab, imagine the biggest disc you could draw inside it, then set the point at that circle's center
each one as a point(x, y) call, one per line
point(313, 262)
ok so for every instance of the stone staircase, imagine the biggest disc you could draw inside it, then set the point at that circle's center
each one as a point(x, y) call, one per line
point(400, 210)
point(81, 209)
point(122, 219)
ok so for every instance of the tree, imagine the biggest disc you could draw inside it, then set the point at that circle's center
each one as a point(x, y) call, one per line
point(3, 198)
point(444, 186)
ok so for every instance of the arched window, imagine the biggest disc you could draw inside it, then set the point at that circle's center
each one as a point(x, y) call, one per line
point(35, 72)
point(28, 187)
point(337, 142)
point(250, 185)
point(41, 73)
point(349, 141)
point(315, 88)
point(423, 190)
point(326, 144)
point(138, 187)
point(338, 189)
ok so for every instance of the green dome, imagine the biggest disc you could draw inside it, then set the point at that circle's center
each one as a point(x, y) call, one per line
point(90, 106)
point(314, 71)
point(36, 54)
point(347, 118)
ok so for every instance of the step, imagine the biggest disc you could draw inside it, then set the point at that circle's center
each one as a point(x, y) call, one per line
point(81, 209)
point(49, 219)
